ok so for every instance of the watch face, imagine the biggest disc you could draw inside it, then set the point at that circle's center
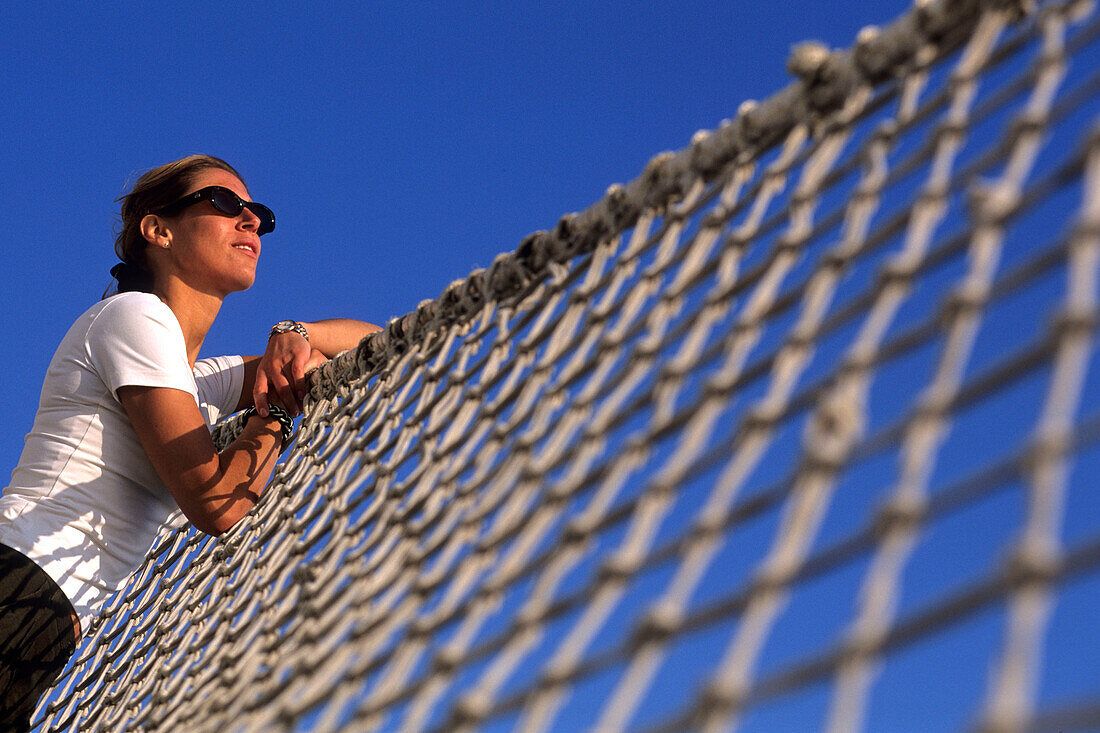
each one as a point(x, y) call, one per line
point(287, 327)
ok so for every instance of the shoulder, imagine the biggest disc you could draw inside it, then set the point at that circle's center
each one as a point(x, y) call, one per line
point(140, 314)
point(130, 303)
point(134, 339)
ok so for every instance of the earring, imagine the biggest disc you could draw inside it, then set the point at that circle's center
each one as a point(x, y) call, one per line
point(165, 245)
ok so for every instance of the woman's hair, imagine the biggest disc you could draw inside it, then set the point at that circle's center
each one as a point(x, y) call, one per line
point(153, 190)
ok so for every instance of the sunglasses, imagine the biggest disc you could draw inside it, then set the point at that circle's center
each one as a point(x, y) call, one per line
point(226, 202)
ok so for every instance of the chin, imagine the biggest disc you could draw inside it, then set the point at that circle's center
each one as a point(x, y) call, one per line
point(247, 279)
point(239, 285)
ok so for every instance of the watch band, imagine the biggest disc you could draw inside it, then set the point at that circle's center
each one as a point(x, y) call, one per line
point(288, 326)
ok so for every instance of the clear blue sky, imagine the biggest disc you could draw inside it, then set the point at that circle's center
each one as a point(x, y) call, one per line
point(400, 145)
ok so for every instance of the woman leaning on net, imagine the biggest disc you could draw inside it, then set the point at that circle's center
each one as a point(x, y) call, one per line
point(121, 446)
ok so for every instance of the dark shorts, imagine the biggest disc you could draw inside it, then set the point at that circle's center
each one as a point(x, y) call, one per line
point(36, 636)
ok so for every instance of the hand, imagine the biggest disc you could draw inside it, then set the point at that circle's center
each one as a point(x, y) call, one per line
point(280, 376)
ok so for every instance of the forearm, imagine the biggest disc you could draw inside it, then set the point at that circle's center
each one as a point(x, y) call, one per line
point(243, 470)
point(214, 490)
point(333, 335)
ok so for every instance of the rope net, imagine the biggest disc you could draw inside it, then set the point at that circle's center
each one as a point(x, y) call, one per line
point(795, 431)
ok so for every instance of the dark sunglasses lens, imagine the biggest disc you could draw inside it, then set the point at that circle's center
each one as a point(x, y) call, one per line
point(264, 214)
point(230, 204)
point(225, 201)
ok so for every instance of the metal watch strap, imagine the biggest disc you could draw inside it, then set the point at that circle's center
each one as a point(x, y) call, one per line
point(288, 326)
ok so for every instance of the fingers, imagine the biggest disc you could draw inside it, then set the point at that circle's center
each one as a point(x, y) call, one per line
point(274, 387)
point(259, 393)
point(316, 359)
point(298, 376)
point(285, 389)
point(281, 379)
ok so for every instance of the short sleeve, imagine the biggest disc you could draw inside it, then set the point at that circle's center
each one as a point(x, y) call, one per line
point(220, 380)
point(136, 341)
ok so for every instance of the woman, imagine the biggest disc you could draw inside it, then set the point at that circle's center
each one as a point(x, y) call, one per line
point(121, 447)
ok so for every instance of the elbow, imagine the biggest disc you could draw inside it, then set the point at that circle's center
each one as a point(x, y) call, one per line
point(216, 526)
point(208, 526)
point(215, 505)
point(219, 519)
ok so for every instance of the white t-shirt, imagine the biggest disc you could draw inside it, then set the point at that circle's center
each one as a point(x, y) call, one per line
point(84, 502)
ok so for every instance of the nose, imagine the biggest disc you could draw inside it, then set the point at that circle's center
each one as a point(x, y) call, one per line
point(248, 220)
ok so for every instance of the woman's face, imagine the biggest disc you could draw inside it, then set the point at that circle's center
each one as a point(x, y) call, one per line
point(208, 250)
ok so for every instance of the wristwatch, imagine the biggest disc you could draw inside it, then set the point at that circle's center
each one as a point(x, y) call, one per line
point(288, 326)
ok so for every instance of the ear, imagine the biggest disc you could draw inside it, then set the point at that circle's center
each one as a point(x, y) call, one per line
point(153, 229)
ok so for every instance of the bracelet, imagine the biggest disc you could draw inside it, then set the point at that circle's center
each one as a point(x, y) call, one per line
point(287, 327)
point(279, 414)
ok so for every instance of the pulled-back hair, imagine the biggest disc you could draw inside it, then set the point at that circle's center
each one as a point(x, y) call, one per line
point(153, 190)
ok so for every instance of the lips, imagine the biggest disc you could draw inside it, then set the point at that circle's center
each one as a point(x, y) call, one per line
point(252, 248)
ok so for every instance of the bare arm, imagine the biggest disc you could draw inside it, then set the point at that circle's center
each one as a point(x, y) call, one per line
point(279, 375)
point(213, 489)
point(334, 335)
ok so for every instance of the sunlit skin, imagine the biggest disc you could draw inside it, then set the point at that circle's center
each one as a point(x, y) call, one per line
point(208, 251)
point(199, 256)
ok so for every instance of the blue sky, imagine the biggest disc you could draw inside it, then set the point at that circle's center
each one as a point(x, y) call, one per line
point(400, 146)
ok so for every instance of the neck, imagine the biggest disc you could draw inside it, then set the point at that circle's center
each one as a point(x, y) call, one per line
point(194, 310)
